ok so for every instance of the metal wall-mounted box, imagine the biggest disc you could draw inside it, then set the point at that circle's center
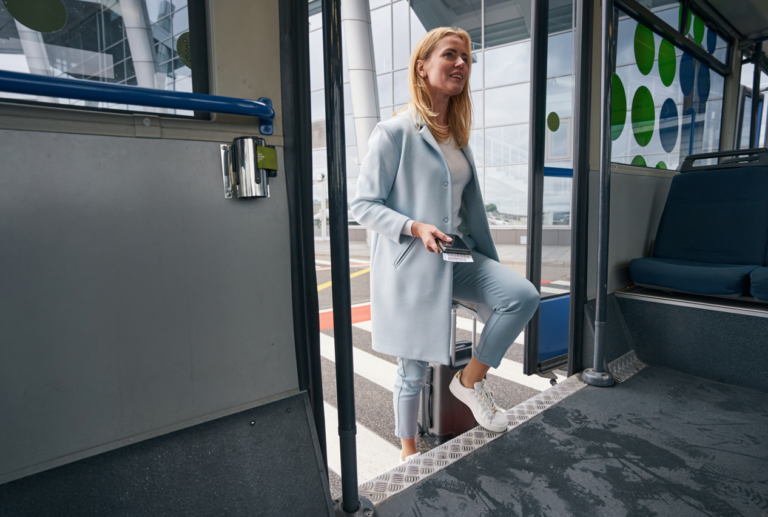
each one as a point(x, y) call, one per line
point(246, 166)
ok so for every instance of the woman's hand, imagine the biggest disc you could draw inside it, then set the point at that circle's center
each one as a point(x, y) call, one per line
point(429, 234)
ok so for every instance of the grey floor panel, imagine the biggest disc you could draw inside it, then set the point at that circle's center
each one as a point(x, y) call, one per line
point(661, 443)
point(259, 462)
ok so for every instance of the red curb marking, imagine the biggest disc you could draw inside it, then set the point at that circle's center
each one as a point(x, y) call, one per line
point(359, 315)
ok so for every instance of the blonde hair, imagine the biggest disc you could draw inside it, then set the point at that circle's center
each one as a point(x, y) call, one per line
point(458, 116)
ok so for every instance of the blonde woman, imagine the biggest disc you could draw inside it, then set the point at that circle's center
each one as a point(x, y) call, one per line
point(417, 184)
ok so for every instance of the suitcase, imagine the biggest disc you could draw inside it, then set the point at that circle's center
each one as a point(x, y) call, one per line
point(441, 415)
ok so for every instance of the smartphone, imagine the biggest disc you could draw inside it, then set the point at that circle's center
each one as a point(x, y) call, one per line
point(457, 246)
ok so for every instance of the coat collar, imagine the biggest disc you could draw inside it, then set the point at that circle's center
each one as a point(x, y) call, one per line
point(427, 135)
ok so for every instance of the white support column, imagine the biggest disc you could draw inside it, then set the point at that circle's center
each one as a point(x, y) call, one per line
point(37, 57)
point(141, 42)
point(731, 100)
point(362, 72)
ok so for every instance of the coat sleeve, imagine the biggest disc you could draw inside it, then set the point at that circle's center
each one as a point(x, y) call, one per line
point(377, 176)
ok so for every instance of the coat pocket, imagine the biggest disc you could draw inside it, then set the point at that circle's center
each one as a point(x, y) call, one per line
point(406, 251)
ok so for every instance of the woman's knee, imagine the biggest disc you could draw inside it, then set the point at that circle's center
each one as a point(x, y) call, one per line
point(411, 374)
point(530, 299)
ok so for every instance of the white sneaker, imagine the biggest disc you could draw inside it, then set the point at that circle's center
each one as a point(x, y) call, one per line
point(408, 458)
point(480, 401)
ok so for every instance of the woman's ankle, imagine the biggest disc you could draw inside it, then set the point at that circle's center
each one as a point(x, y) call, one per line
point(408, 448)
point(463, 381)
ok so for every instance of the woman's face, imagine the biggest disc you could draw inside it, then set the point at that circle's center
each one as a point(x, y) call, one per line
point(446, 71)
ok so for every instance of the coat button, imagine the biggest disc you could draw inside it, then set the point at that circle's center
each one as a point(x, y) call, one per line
point(445, 183)
point(445, 219)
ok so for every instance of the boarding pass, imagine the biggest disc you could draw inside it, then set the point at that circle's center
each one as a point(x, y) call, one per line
point(453, 257)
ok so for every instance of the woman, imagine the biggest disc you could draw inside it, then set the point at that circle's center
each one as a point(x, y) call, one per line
point(417, 183)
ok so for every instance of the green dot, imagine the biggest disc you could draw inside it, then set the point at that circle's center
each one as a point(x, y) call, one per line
point(183, 50)
point(618, 107)
point(645, 49)
point(687, 21)
point(643, 116)
point(698, 30)
point(553, 122)
point(38, 15)
point(638, 161)
point(661, 165)
point(667, 62)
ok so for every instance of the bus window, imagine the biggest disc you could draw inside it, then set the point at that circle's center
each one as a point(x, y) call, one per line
point(666, 104)
point(133, 42)
point(744, 116)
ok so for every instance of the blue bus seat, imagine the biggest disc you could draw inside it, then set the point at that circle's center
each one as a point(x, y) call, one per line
point(759, 281)
point(713, 233)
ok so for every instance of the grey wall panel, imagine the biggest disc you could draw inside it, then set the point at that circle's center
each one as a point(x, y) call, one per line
point(637, 202)
point(135, 298)
point(719, 346)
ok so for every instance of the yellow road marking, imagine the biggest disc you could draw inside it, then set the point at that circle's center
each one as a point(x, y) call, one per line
point(353, 275)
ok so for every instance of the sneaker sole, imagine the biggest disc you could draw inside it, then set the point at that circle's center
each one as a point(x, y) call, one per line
point(491, 428)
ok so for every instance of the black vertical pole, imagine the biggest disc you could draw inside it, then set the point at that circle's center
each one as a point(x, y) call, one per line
point(685, 12)
point(538, 118)
point(580, 185)
point(753, 122)
point(297, 137)
point(339, 233)
point(595, 375)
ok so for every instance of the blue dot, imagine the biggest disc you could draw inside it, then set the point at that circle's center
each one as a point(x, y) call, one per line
point(687, 71)
point(669, 125)
point(703, 83)
point(711, 40)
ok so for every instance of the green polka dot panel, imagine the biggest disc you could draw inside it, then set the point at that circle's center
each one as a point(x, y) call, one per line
point(661, 165)
point(553, 122)
point(645, 49)
point(667, 62)
point(698, 30)
point(687, 21)
point(643, 116)
point(618, 107)
point(38, 15)
point(638, 161)
point(183, 49)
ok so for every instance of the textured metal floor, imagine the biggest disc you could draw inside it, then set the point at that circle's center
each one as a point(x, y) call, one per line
point(661, 443)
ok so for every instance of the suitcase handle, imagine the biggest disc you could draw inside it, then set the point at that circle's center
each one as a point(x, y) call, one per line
point(455, 306)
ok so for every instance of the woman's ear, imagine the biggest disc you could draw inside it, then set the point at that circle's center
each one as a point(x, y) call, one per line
point(420, 67)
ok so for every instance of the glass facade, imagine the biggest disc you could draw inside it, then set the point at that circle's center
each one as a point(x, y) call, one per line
point(745, 108)
point(500, 86)
point(666, 104)
point(133, 42)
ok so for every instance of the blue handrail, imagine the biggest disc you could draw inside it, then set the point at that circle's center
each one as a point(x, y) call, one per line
point(558, 172)
point(43, 85)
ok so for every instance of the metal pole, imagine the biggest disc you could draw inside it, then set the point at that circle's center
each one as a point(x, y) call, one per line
point(538, 127)
point(580, 184)
point(595, 375)
point(754, 121)
point(342, 305)
point(685, 12)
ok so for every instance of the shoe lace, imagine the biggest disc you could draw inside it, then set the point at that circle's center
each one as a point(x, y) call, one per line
point(486, 395)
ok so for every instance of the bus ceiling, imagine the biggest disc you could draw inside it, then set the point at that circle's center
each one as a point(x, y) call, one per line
point(749, 18)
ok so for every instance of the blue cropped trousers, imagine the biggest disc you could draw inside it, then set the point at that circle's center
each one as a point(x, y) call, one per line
point(505, 303)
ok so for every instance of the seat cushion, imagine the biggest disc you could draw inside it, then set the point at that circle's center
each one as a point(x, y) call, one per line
point(692, 277)
point(759, 283)
point(718, 216)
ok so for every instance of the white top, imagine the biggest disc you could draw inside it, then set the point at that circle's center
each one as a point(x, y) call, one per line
point(461, 174)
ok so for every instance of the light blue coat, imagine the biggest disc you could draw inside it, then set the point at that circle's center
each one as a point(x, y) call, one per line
point(405, 176)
